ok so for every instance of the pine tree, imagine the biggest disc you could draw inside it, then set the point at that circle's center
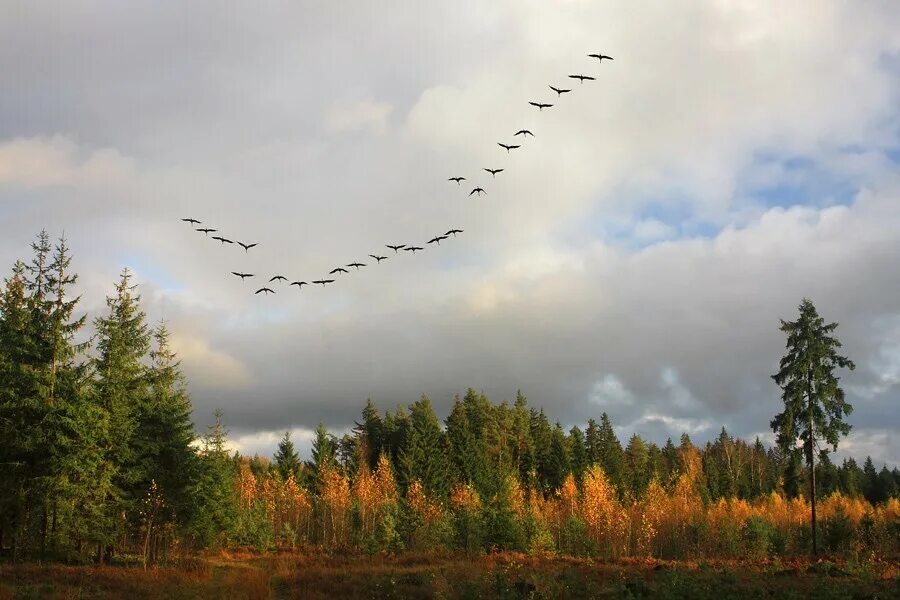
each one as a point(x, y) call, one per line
point(16, 411)
point(215, 514)
point(592, 442)
point(521, 442)
point(610, 453)
point(870, 480)
point(123, 341)
point(541, 433)
point(637, 458)
point(324, 458)
point(371, 434)
point(287, 462)
point(577, 454)
point(164, 433)
point(424, 457)
point(814, 405)
point(557, 466)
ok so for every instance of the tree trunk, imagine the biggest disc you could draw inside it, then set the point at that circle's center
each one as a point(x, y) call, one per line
point(811, 461)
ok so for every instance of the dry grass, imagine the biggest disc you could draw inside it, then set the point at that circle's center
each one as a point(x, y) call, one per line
point(244, 575)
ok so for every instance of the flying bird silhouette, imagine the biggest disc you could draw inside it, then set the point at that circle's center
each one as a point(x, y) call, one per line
point(478, 191)
point(207, 230)
point(378, 258)
point(493, 172)
point(581, 78)
point(223, 240)
point(453, 232)
point(600, 57)
point(457, 179)
point(323, 282)
point(278, 278)
point(437, 239)
point(395, 248)
point(246, 246)
point(243, 276)
point(356, 265)
point(266, 290)
point(540, 106)
point(192, 221)
point(559, 92)
point(299, 284)
point(507, 146)
point(338, 270)
point(413, 249)
point(524, 132)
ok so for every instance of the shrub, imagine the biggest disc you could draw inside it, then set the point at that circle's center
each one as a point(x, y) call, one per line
point(757, 536)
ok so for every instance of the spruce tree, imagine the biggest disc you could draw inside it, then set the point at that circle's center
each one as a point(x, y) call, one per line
point(592, 443)
point(287, 462)
point(371, 433)
point(577, 454)
point(123, 341)
point(610, 452)
point(637, 467)
point(557, 466)
point(814, 405)
point(215, 514)
point(424, 457)
point(164, 433)
point(16, 413)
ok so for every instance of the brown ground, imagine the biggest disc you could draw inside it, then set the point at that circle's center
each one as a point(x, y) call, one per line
point(238, 576)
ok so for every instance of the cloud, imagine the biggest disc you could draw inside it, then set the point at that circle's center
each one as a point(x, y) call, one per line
point(365, 115)
point(611, 392)
point(207, 367)
point(634, 257)
point(37, 162)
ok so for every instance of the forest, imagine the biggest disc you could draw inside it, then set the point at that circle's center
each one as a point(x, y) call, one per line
point(101, 462)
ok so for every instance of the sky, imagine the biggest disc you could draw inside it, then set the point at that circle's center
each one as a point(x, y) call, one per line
point(634, 257)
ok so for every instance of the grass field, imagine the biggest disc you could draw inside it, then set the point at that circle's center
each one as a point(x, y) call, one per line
point(246, 576)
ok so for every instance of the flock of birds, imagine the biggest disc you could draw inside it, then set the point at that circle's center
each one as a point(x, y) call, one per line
point(412, 248)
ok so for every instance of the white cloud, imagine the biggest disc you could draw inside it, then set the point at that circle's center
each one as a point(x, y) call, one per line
point(37, 162)
point(611, 392)
point(365, 115)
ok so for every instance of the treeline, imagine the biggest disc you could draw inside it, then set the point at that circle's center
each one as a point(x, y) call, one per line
point(100, 458)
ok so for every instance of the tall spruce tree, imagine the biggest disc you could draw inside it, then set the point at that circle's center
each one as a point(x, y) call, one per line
point(164, 433)
point(123, 342)
point(814, 405)
point(17, 413)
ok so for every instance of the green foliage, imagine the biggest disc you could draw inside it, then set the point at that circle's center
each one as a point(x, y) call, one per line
point(758, 537)
point(216, 503)
point(424, 456)
point(814, 404)
point(287, 461)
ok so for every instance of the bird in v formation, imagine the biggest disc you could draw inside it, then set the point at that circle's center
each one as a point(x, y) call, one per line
point(396, 247)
